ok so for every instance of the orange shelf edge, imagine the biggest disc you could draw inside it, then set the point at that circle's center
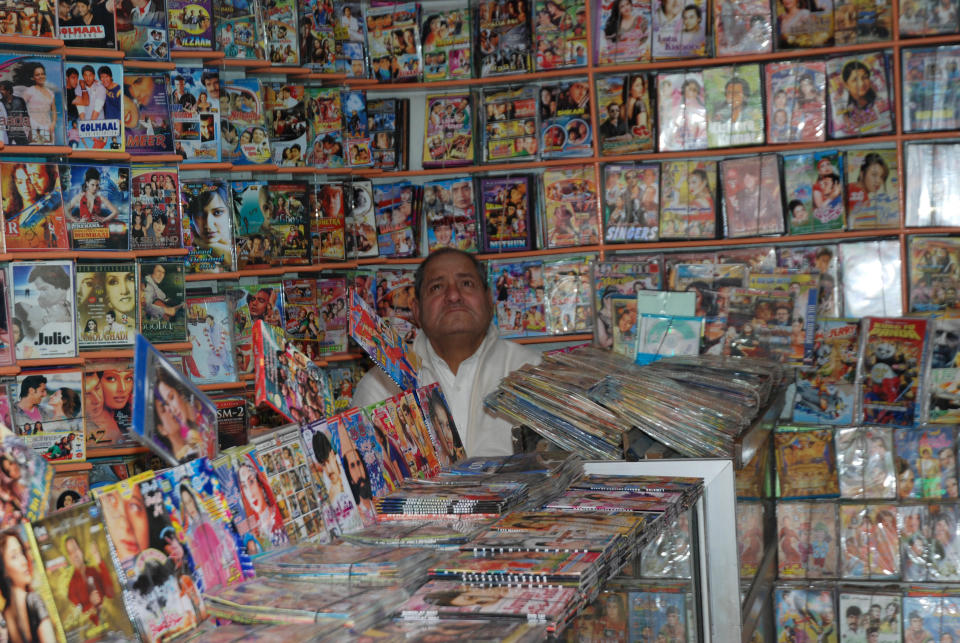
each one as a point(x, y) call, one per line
point(112, 452)
point(197, 55)
point(221, 386)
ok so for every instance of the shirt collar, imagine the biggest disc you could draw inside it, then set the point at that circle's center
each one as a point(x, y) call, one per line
point(428, 355)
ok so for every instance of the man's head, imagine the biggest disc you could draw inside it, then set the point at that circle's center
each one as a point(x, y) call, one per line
point(452, 296)
point(33, 388)
point(357, 474)
point(853, 617)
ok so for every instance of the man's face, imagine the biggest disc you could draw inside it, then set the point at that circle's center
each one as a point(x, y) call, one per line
point(735, 95)
point(783, 316)
point(462, 195)
point(47, 294)
point(577, 92)
point(37, 394)
point(72, 81)
point(853, 622)
point(259, 304)
point(88, 76)
point(453, 301)
point(690, 20)
point(614, 112)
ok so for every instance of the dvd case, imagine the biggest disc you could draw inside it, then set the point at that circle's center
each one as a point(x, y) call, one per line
point(872, 194)
point(679, 30)
point(162, 315)
point(155, 221)
point(240, 30)
point(631, 202)
point(107, 297)
point(506, 213)
point(622, 32)
point(350, 36)
point(450, 214)
point(796, 101)
point(814, 191)
point(682, 111)
point(142, 31)
point(147, 127)
point(35, 111)
point(96, 201)
point(502, 37)
point(892, 352)
point(86, 25)
point(243, 125)
point(570, 207)
point(742, 27)
point(733, 97)
point(509, 125)
point(393, 39)
point(44, 310)
point(445, 30)
point(860, 98)
point(752, 202)
point(687, 199)
point(804, 25)
point(326, 127)
point(33, 207)
point(191, 25)
point(280, 17)
point(623, 104)
point(565, 129)
point(98, 95)
point(356, 130)
point(208, 225)
point(825, 392)
point(286, 118)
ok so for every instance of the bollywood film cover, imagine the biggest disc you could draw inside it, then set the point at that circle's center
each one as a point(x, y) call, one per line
point(865, 462)
point(360, 222)
point(252, 502)
point(326, 124)
point(47, 413)
point(208, 225)
point(796, 101)
point(162, 301)
point(240, 30)
point(393, 39)
point(742, 27)
point(36, 100)
point(750, 519)
point(304, 324)
point(155, 206)
point(439, 420)
point(570, 207)
point(194, 103)
point(325, 206)
point(518, 297)
point(451, 220)
point(688, 199)
point(825, 392)
point(86, 24)
point(142, 30)
point(69, 489)
point(560, 34)
point(356, 130)
point(860, 100)
point(106, 304)
point(208, 325)
point(918, 19)
point(873, 195)
point(806, 463)
point(611, 278)
point(928, 101)
point(735, 106)
point(510, 129)
point(814, 191)
point(395, 209)
point(566, 284)
point(332, 297)
point(892, 353)
point(96, 202)
point(317, 44)
point(191, 25)
point(682, 111)
point(350, 37)
point(243, 124)
point(859, 609)
point(337, 504)
point(382, 343)
point(286, 114)
point(622, 32)
point(805, 25)
point(679, 31)
point(254, 248)
point(445, 30)
point(33, 207)
point(941, 560)
point(170, 415)
point(823, 259)
point(31, 18)
point(448, 141)
point(565, 129)
point(506, 213)
point(280, 17)
point(286, 221)
point(862, 21)
point(503, 37)
point(631, 202)
point(930, 455)
point(801, 319)
point(386, 132)
point(625, 113)
point(942, 403)
point(752, 203)
point(43, 309)
point(108, 397)
point(98, 98)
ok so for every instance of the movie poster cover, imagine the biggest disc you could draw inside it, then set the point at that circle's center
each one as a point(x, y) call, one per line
point(43, 309)
point(191, 25)
point(631, 202)
point(256, 516)
point(566, 284)
point(155, 198)
point(332, 300)
point(255, 249)
point(194, 104)
point(147, 126)
point(570, 207)
point(251, 302)
point(439, 418)
point(805, 25)
point(445, 42)
point(395, 300)
point(752, 205)
point(86, 24)
point(326, 124)
point(448, 141)
point(30, 18)
point(350, 36)
point(363, 435)
point(679, 30)
point(304, 324)
point(796, 101)
point(942, 403)
point(865, 462)
point(518, 297)
point(393, 39)
point(611, 278)
point(919, 19)
point(622, 32)
point(565, 129)
point(892, 352)
point(688, 199)
point(860, 100)
point(503, 37)
point(860, 615)
point(560, 34)
point(342, 382)
point(208, 325)
point(108, 396)
point(928, 101)
point(800, 613)
point(35, 105)
point(803, 288)
point(69, 489)
point(97, 205)
point(47, 413)
point(338, 506)
point(287, 121)
point(171, 415)
point(806, 463)
point(735, 106)
point(506, 208)
point(742, 27)
point(360, 222)
point(356, 130)
point(382, 343)
point(243, 123)
point(814, 191)
point(97, 95)
point(33, 207)
point(385, 132)
point(149, 577)
point(814, 523)
point(317, 45)
point(510, 129)
point(142, 29)
point(862, 21)
point(325, 205)
point(624, 113)
point(931, 456)
point(286, 220)
point(397, 218)
point(106, 304)
point(240, 30)
point(450, 214)
point(162, 304)
point(747, 336)
point(824, 260)
point(208, 226)
point(873, 195)
point(682, 111)
point(826, 392)
point(280, 18)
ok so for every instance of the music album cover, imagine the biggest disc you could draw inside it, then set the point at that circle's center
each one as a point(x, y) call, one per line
point(147, 126)
point(68, 489)
point(687, 199)
point(565, 129)
point(679, 30)
point(506, 213)
point(814, 191)
point(622, 32)
point(194, 103)
point(350, 36)
point(735, 106)
point(796, 101)
point(395, 209)
point(873, 199)
point(86, 24)
point(864, 610)
point(108, 396)
point(34, 111)
point(286, 111)
point(385, 132)
point(155, 206)
point(450, 214)
point(325, 207)
point(106, 300)
point(33, 207)
point(47, 413)
point(317, 44)
point(448, 138)
point(326, 124)
point(891, 354)
point(142, 30)
point(445, 42)
point(240, 30)
point(97, 205)
point(502, 37)
point(360, 222)
point(806, 463)
point(860, 100)
point(624, 113)
point(826, 391)
point(509, 124)
point(162, 303)
point(682, 111)
point(930, 455)
point(171, 415)
point(519, 297)
point(631, 202)
point(280, 17)
point(191, 25)
point(805, 26)
point(861, 21)
point(356, 130)
point(243, 125)
point(752, 205)
point(742, 27)
point(570, 207)
point(209, 325)
point(97, 95)
point(208, 225)
point(43, 309)
point(393, 39)
point(560, 34)
point(918, 19)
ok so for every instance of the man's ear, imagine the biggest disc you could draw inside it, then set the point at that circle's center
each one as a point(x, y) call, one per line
point(415, 310)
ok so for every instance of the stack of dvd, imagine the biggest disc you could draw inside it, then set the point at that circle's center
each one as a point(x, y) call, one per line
point(360, 565)
point(450, 498)
point(210, 630)
point(580, 570)
point(453, 629)
point(418, 533)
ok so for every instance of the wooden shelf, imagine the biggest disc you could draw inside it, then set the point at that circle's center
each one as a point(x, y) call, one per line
point(63, 467)
point(51, 362)
point(206, 167)
point(196, 55)
point(221, 386)
point(373, 85)
point(174, 346)
point(92, 53)
point(107, 353)
point(36, 150)
point(149, 64)
point(243, 63)
point(99, 155)
point(550, 339)
point(210, 276)
point(28, 42)
point(155, 158)
point(342, 357)
point(113, 452)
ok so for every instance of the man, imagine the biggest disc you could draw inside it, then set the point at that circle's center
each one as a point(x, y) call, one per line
point(112, 93)
point(459, 348)
point(737, 121)
point(72, 92)
point(852, 632)
point(114, 329)
point(916, 633)
point(155, 300)
point(86, 13)
point(673, 630)
point(357, 475)
point(18, 118)
point(575, 98)
point(613, 126)
point(33, 389)
point(144, 13)
point(94, 95)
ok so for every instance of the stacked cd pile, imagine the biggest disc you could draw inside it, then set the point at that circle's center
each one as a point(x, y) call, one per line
point(543, 475)
point(346, 562)
point(210, 630)
point(480, 498)
point(580, 570)
point(418, 533)
point(272, 600)
point(479, 629)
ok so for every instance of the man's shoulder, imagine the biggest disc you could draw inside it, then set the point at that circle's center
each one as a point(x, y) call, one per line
point(373, 387)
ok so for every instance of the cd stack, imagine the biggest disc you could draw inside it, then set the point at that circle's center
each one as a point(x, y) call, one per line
point(360, 565)
point(580, 570)
point(543, 476)
point(454, 498)
point(418, 533)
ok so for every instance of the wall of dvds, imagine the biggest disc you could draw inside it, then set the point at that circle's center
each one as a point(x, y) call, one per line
point(553, 134)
